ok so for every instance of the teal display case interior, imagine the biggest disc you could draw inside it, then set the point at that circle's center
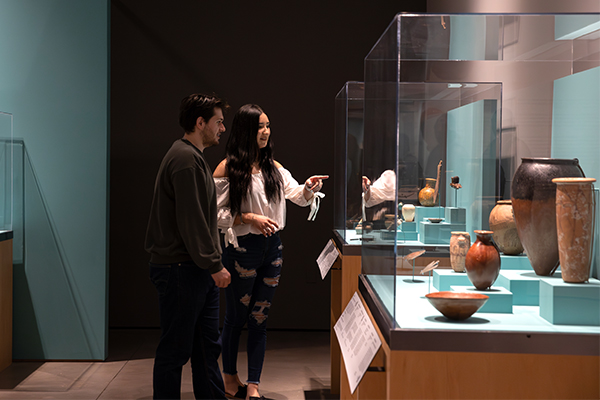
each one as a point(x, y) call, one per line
point(348, 159)
point(54, 62)
point(547, 72)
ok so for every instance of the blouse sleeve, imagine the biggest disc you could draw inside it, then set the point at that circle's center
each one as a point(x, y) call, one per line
point(384, 188)
point(292, 189)
point(224, 217)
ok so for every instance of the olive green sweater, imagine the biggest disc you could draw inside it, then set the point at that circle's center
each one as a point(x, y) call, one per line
point(183, 217)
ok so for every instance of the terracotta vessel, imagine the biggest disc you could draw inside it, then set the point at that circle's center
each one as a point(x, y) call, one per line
point(483, 261)
point(575, 218)
point(533, 196)
point(408, 212)
point(426, 195)
point(460, 242)
point(457, 305)
point(502, 223)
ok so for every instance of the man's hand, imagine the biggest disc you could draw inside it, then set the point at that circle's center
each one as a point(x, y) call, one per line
point(222, 278)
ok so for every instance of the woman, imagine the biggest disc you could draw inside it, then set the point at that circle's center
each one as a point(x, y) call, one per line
point(251, 193)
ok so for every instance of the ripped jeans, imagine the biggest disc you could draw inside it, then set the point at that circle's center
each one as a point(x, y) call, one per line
point(255, 267)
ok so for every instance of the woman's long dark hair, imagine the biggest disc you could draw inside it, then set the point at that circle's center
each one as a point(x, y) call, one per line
point(242, 152)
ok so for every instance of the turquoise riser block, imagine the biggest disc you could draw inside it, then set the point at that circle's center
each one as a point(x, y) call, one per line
point(408, 226)
point(524, 285)
point(515, 262)
point(428, 212)
point(564, 303)
point(444, 279)
point(456, 215)
point(439, 233)
point(500, 300)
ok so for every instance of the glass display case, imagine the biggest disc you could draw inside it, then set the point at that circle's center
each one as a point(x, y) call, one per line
point(6, 172)
point(348, 158)
point(456, 102)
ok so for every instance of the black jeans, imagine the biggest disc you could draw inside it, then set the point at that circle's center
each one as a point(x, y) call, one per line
point(189, 320)
point(255, 268)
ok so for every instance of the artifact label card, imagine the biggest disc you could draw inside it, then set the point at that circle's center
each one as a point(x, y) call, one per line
point(358, 340)
point(327, 257)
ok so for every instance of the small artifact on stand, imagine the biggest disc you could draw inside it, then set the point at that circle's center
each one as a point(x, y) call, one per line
point(502, 223)
point(533, 196)
point(460, 242)
point(411, 257)
point(428, 195)
point(455, 185)
point(430, 267)
point(483, 261)
point(575, 208)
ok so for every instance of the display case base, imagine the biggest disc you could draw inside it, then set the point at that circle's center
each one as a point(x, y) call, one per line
point(524, 285)
point(443, 279)
point(428, 212)
point(515, 262)
point(500, 300)
point(565, 303)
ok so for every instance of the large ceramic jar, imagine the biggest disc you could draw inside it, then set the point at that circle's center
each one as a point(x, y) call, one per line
point(533, 196)
point(502, 223)
point(575, 207)
point(426, 195)
point(460, 242)
point(483, 261)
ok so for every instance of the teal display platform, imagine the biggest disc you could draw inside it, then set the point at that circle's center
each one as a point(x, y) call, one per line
point(438, 233)
point(515, 262)
point(500, 300)
point(455, 215)
point(565, 303)
point(428, 212)
point(524, 285)
point(408, 226)
point(444, 279)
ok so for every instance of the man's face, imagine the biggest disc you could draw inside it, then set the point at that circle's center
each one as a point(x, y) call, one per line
point(211, 131)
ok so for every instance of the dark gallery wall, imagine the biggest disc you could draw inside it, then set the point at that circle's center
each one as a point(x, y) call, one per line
point(289, 57)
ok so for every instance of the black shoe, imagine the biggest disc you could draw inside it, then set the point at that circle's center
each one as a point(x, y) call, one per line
point(240, 394)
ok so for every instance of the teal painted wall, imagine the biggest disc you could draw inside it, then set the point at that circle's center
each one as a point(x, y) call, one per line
point(54, 79)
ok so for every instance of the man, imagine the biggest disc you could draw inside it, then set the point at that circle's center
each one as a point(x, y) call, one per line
point(185, 255)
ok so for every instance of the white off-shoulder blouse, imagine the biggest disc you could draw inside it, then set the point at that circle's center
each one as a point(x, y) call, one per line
point(256, 203)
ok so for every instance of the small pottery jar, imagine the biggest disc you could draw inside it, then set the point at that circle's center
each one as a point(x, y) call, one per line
point(575, 207)
point(426, 194)
point(408, 212)
point(502, 223)
point(533, 196)
point(483, 261)
point(460, 242)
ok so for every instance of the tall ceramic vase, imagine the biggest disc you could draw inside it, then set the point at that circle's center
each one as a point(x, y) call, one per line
point(460, 242)
point(483, 261)
point(533, 196)
point(426, 195)
point(502, 223)
point(575, 218)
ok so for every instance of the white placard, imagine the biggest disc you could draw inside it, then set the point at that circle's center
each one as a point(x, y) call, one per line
point(327, 257)
point(358, 340)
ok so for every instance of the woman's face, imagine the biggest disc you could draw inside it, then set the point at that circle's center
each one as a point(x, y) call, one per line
point(264, 131)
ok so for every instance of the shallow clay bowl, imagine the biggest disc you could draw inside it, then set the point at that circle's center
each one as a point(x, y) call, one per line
point(457, 305)
point(435, 220)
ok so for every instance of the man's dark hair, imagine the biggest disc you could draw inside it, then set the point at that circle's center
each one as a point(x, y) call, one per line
point(198, 105)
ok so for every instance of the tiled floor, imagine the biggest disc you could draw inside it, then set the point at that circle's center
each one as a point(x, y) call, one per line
point(296, 367)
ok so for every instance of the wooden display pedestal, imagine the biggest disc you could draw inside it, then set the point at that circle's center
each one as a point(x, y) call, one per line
point(6, 294)
point(344, 283)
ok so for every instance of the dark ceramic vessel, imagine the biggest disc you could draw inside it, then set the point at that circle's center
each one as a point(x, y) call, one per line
point(483, 261)
point(533, 196)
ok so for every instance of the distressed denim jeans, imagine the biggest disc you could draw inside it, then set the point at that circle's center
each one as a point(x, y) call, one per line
point(189, 321)
point(255, 268)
